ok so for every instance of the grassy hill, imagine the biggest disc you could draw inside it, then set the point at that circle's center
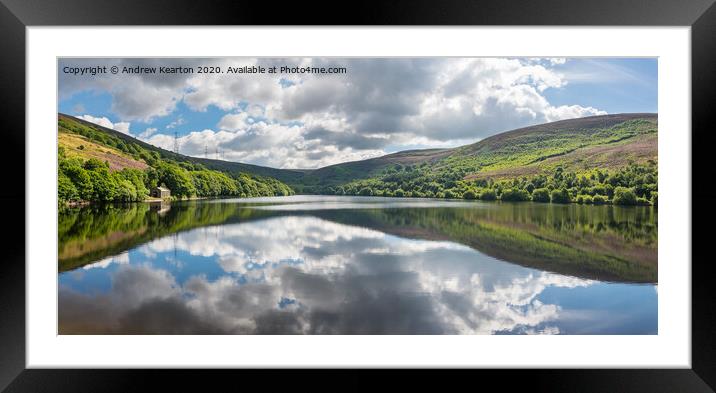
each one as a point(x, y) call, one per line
point(591, 157)
point(599, 159)
point(573, 144)
point(605, 142)
point(80, 146)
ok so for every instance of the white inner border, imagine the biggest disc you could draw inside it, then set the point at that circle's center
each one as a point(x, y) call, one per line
point(670, 348)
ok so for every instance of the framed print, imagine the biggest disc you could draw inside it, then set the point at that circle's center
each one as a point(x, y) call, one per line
point(477, 190)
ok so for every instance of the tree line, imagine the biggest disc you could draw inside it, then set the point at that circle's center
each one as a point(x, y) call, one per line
point(91, 180)
point(634, 184)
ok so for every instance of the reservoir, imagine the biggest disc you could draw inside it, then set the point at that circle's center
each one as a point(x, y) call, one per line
point(357, 265)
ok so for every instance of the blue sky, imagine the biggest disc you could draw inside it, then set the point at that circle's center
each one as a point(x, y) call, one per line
point(613, 85)
point(379, 106)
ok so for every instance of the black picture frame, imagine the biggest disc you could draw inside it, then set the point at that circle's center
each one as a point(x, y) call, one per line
point(16, 15)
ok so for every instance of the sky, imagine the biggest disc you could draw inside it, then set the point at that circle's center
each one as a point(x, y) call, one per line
point(378, 106)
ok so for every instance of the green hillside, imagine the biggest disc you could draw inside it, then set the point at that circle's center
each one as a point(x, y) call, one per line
point(594, 158)
point(102, 165)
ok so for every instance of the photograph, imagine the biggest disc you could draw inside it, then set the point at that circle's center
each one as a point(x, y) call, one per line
point(212, 189)
point(357, 195)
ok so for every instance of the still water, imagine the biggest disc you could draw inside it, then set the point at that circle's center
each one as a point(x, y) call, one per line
point(357, 265)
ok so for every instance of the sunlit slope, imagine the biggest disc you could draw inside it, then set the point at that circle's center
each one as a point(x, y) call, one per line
point(75, 145)
point(604, 142)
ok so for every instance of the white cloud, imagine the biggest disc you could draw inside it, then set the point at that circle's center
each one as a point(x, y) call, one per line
point(134, 100)
point(178, 122)
point(121, 259)
point(121, 126)
point(234, 121)
point(319, 120)
point(571, 112)
point(148, 132)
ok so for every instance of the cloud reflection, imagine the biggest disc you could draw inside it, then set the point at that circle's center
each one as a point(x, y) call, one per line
point(305, 275)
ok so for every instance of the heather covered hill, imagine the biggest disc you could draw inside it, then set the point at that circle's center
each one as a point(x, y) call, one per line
point(589, 157)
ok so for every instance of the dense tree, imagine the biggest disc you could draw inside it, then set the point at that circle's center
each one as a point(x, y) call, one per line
point(624, 196)
point(540, 195)
point(177, 180)
point(66, 191)
point(79, 176)
point(449, 181)
point(104, 186)
point(488, 195)
point(365, 191)
point(560, 196)
point(599, 199)
point(125, 192)
point(515, 195)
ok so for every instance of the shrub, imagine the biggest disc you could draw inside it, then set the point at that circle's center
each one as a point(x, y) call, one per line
point(624, 196)
point(66, 191)
point(515, 195)
point(449, 194)
point(399, 192)
point(654, 197)
point(126, 192)
point(365, 191)
point(599, 190)
point(560, 196)
point(103, 185)
point(587, 199)
point(540, 195)
point(599, 199)
point(610, 190)
point(469, 194)
point(488, 195)
point(579, 199)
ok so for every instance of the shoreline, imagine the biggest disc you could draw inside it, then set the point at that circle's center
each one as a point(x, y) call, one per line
point(77, 204)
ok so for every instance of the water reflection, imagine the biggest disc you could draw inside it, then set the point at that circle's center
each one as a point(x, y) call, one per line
point(261, 270)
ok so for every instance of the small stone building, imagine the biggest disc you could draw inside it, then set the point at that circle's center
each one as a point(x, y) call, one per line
point(161, 192)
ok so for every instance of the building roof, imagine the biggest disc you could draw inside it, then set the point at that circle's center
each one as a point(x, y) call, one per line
point(162, 188)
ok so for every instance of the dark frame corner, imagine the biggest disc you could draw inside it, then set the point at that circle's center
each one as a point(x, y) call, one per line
point(16, 15)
